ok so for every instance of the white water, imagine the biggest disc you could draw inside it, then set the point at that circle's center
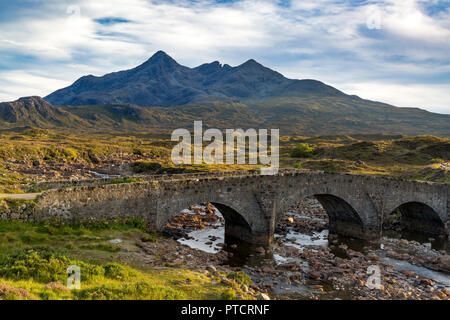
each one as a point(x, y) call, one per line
point(438, 277)
point(198, 239)
point(103, 175)
point(299, 241)
point(201, 237)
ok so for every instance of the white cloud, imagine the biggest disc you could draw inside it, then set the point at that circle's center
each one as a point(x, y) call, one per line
point(324, 39)
point(431, 97)
point(14, 84)
point(406, 19)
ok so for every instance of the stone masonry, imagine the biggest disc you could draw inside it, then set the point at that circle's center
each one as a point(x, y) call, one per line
point(251, 203)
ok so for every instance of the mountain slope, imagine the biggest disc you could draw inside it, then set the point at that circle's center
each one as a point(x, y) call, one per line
point(37, 112)
point(294, 115)
point(247, 96)
point(161, 81)
point(340, 115)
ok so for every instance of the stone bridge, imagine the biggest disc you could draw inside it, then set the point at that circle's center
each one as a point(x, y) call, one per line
point(251, 203)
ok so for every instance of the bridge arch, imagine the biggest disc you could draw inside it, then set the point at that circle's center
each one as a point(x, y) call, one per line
point(236, 226)
point(238, 211)
point(351, 210)
point(419, 217)
point(343, 218)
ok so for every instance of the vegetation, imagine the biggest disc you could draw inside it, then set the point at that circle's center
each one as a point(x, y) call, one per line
point(303, 150)
point(124, 180)
point(34, 256)
point(295, 106)
point(240, 277)
point(34, 259)
point(415, 158)
point(42, 274)
point(32, 144)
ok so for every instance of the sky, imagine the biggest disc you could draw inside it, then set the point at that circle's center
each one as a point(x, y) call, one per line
point(394, 51)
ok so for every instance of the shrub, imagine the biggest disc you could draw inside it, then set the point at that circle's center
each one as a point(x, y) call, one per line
point(303, 150)
point(89, 272)
point(10, 293)
point(240, 277)
point(70, 154)
point(48, 295)
point(45, 265)
point(130, 291)
point(116, 271)
point(149, 237)
point(142, 167)
point(229, 294)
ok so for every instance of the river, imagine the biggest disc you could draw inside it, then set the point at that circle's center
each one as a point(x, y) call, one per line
point(211, 240)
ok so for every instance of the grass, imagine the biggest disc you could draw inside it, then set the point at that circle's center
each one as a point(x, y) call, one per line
point(41, 274)
point(34, 258)
point(240, 277)
point(89, 235)
point(124, 180)
point(77, 146)
point(415, 158)
point(412, 158)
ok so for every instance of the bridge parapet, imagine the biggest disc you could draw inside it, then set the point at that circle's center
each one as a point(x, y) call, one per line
point(252, 203)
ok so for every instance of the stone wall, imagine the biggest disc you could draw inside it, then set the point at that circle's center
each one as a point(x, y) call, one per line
point(17, 210)
point(252, 203)
point(99, 203)
point(58, 184)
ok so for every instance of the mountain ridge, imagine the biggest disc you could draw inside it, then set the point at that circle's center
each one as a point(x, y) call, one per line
point(162, 81)
point(37, 112)
point(166, 95)
point(293, 116)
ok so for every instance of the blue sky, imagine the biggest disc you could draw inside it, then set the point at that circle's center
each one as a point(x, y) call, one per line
point(395, 51)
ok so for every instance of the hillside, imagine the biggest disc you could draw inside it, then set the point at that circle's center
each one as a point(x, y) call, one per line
point(35, 111)
point(300, 116)
point(415, 158)
point(341, 115)
point(161, 95)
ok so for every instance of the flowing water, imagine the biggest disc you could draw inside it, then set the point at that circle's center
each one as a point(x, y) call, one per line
point(211, 240)
point(208, 239)
point(434, 243)
point(104, 175)
point(439, 277)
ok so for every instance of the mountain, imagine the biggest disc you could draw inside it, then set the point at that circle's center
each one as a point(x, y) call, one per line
point(161, 81)
point(162, 95)
point(292, 116)
point(36, 112)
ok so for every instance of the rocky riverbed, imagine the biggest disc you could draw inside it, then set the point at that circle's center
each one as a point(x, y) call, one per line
point(305, 262)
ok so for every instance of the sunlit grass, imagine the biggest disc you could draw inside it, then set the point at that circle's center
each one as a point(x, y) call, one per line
point(34, 259)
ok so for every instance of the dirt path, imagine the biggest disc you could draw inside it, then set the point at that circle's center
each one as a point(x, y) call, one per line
point(20, 196)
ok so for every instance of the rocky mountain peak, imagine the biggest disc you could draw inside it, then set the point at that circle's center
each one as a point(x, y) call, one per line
point(161, 58)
